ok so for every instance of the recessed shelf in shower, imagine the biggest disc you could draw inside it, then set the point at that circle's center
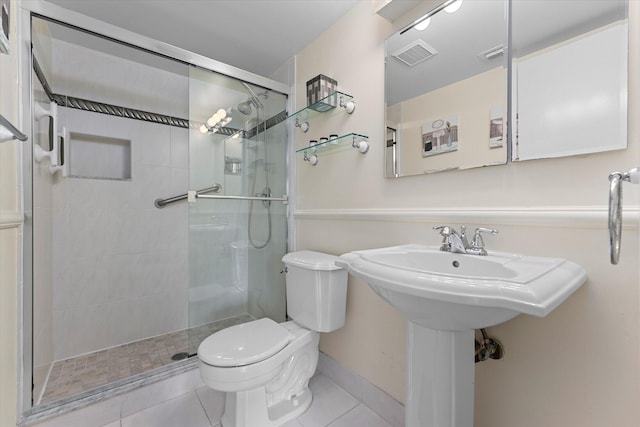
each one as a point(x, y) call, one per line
point(99, 157)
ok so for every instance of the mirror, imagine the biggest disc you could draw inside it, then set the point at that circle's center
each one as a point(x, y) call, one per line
point(446, 90)
point(448, 111)
point(569, 77)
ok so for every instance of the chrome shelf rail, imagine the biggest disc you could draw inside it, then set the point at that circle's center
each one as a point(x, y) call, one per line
point(161, 203)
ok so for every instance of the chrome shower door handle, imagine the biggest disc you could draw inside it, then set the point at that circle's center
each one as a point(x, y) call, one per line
point(615, 209)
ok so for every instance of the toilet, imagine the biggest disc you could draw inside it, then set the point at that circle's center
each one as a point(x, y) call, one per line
point(264, 367)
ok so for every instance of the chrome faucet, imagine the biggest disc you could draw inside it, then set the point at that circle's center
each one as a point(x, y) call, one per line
point(455, 242)
point(452, 241)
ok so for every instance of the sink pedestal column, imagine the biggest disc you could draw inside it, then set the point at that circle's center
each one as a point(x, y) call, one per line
point(440, 377)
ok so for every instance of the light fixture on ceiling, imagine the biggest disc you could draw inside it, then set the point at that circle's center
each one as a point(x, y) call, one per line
point(444, 5)
point(453, 7)
point(423, 25)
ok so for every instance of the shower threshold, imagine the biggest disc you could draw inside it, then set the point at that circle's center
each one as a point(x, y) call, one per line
point(80, 374)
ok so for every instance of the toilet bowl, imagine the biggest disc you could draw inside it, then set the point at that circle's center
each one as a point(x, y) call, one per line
point(264, 367)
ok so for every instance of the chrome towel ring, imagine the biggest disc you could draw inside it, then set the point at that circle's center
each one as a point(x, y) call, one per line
point(615, 209)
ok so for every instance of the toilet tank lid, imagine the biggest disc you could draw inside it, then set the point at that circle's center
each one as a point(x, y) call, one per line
point(311, 260)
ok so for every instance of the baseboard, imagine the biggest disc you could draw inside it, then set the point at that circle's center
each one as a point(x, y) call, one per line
point(375, 399)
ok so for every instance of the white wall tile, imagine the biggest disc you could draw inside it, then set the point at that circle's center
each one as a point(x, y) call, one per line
point(122, 81)
point(124, 321)
point(60, 334)
point(87, 328)
point(164, 313)
point(113, 250)
point(81, 121)
point(87, 231)
point(123, 277)
point(156, 148)
point(180, 147)
point(88, 283)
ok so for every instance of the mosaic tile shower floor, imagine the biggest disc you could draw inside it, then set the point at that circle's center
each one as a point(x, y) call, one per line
point(79, 374)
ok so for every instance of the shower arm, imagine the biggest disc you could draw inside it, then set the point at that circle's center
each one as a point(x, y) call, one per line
point(253, 96)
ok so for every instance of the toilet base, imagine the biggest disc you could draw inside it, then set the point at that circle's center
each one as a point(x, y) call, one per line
point(249, 409)
point(271, 392)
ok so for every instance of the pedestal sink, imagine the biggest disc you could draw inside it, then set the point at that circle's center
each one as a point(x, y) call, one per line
point(445, 297)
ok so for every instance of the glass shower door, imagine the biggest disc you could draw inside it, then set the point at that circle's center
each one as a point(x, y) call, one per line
point(237, 144)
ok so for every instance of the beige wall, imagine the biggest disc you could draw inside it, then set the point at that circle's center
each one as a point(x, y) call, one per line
point(9, 232)
point(576, 367)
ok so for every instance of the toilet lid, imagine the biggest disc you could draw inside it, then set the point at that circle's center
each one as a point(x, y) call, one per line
point(244, 344)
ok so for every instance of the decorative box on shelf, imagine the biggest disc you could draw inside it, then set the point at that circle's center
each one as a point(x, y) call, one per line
point(318, 90)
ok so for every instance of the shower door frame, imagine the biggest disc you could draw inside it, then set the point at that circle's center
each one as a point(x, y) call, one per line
point(49, 11)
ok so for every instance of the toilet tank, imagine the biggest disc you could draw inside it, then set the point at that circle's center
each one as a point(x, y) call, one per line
point(316, 290)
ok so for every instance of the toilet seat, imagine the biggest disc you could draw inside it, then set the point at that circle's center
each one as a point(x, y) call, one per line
point(244, 344)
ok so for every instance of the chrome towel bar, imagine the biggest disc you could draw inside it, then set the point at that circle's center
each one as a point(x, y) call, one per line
point(14, 132)
point(193, 195)
point(161, 203)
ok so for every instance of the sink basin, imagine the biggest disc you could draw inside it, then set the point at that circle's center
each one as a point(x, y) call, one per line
point(445, 296)
point(444, 290)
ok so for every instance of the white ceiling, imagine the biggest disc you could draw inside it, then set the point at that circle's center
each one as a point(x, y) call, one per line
point(255, 35)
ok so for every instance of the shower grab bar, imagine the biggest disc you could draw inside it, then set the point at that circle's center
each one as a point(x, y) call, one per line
point(615, 209)
point(13, 131)
point(193, 195)
point(161, 203)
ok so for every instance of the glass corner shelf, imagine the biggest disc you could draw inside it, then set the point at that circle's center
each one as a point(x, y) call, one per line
point(329, 102)
point(342, 141)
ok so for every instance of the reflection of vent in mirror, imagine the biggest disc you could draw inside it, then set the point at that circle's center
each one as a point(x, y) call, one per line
point(414, 53)
point(492, 54)
point(93, 156)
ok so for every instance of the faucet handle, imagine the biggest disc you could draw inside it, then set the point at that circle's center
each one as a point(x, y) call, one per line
point(485, 230)
point(477, 243)
point(445, 230)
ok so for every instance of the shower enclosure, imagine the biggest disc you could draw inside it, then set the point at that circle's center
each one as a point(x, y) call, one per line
point(128, 273)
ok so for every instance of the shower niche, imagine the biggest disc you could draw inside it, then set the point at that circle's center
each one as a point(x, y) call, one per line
point(122, 290)
point(99, 157)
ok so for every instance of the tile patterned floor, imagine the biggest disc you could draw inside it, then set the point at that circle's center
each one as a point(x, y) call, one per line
point(82, 373)
point(332, 406)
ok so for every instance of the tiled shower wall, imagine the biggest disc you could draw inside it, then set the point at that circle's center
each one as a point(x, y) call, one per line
point(120, 265)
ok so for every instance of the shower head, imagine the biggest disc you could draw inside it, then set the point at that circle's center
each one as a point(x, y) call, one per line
point(245, 107)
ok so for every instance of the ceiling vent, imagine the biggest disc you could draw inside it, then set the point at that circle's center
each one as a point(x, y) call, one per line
point(414, 53)
point(492, 54)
